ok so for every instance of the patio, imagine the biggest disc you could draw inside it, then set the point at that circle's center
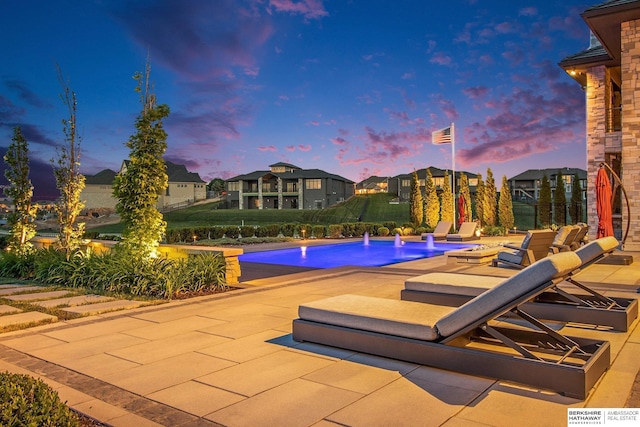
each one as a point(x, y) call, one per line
point(230, 360)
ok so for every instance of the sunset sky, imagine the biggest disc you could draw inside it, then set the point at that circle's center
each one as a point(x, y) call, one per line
point(353, 87)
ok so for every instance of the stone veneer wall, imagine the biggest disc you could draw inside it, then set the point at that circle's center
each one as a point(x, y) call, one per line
point(596, 128)
point(630, 45)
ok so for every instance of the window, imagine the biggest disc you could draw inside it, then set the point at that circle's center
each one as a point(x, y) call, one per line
point(406, 183)
point(313, 184)
point(438, 182)
point(233, 186)
point(291, 187)
point(473, 182)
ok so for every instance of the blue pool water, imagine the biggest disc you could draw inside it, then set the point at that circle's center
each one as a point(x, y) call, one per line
point(375, 254)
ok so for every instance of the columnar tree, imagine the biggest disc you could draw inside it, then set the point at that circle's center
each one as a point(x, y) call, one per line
point(490, 199)
point(69, 180)
point(480, 200)
point(446, 201)
point(505, 205)
point(431, 202)
point(20, 191)
point(559, 201)
point(138, 187)
point(575, 209)
point(544, 202)
point(466, 194)
point(415, 201)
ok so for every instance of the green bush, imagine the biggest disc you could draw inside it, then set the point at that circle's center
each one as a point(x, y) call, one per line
point(268, 230)
point(494, 230)
point(306, 228)
point(216, 233)
point(396, 230)
point(27, 401)
point(336, 231)
point(420, 230)
point(390, 224)
point(383, 231)
point(287, 230)
point(232, 232)
point(319, 231)
point(247, 231)
point(408, 231)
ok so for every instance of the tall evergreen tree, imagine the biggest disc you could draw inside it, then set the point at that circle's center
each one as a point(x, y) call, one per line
point(138, 187)
point(559, 201)
point(20, 191)
point(480, 200)
point(69, 180)
point(544, 202)
point(415, 201)
point(431, 202)
point(466, 194)
point(490, 199)
point(575, 209)
point(446, 201)
point(505, 205)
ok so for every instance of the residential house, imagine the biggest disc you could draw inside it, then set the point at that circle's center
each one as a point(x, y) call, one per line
point(525, 187)
point(184, 188)
point(401, 184)
point(607, 71)
point(373, 184)
point(285, 186)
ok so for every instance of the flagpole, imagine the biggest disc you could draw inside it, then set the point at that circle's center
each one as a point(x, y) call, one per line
point(453, 168)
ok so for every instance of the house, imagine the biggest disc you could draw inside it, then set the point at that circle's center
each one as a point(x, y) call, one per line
point(184, 188)
point(285, 186)
point(525, 187)
point(607, 71)
point(373, 184)
point(401, 184)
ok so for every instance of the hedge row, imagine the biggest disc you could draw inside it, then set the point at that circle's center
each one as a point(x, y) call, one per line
point(349, 229)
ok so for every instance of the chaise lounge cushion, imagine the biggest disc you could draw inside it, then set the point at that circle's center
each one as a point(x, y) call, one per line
point(400, 318)
point(446, 283)
point(499, 299)
point(594, 249)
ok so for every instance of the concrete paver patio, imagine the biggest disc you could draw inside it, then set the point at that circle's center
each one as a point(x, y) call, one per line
point(229, 359)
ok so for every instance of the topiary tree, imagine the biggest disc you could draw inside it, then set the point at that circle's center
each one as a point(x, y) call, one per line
point(490, 199)
point(446, 201)
point(505, 205)
point(20, 191)
point(138, 186)
point(480, 200)
point(466, 194)
point(559, 201)
point(575, 209)
point(415, 201)
point(431, 202)
point(544, 202)
point(69, 180)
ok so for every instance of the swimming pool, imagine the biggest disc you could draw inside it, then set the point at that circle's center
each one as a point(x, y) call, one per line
point(374, 254)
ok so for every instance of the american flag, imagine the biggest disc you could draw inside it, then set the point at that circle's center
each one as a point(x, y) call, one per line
point(442, 136)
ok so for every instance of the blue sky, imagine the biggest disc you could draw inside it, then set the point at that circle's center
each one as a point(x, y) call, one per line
point(351, 87)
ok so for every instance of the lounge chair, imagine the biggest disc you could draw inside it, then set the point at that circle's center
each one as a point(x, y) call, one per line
point(466, 339)
point(564, 238)
point(467, 231)
point(440, 232)
point(536, 245)
point(586, 307)
point(580, 236)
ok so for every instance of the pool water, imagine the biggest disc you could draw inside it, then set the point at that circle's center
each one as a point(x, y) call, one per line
point(374, 254)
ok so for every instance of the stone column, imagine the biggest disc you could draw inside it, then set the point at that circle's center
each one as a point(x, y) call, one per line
point(630, 67)
point(240, 195)
point(596, 128)
point(260, 193)
point(300, 194)
point(280, 200)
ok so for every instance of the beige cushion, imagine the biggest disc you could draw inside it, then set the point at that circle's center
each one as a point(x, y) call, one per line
point(452, 283)
point(562, 234)
point(592, 250)
point(387, 316)
point(509, 293)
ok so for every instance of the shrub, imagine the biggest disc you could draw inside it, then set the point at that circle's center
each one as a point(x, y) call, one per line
point(494, 230)
point(306, 228)
point(336, 231)
point(267, 230)
point(408, 231)
point(420, 230)
point(396, 230)
point(348, 229)
point(247, 231)
point(216, 233)
point(359, 228)
point(27, 401)
point(287, 230)
point(383, 231)
point(319, 231)
point(232, 232)
point(390, 224)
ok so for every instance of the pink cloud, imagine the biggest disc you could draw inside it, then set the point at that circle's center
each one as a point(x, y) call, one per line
point(304, 148)
point(440, 59)
point(447, 107)
point(267, 148)
point(290, 148)
point(528, 11)
point(310, 9)
point(476, 92)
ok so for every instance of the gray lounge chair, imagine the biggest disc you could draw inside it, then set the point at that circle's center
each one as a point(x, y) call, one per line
point(536, 245)
point(467, 231)
point(586, 307)
point(465, 339)
point(440, 232)
point(564, 238)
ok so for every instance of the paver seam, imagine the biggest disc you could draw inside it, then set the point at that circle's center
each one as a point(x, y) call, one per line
point(113, 395)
